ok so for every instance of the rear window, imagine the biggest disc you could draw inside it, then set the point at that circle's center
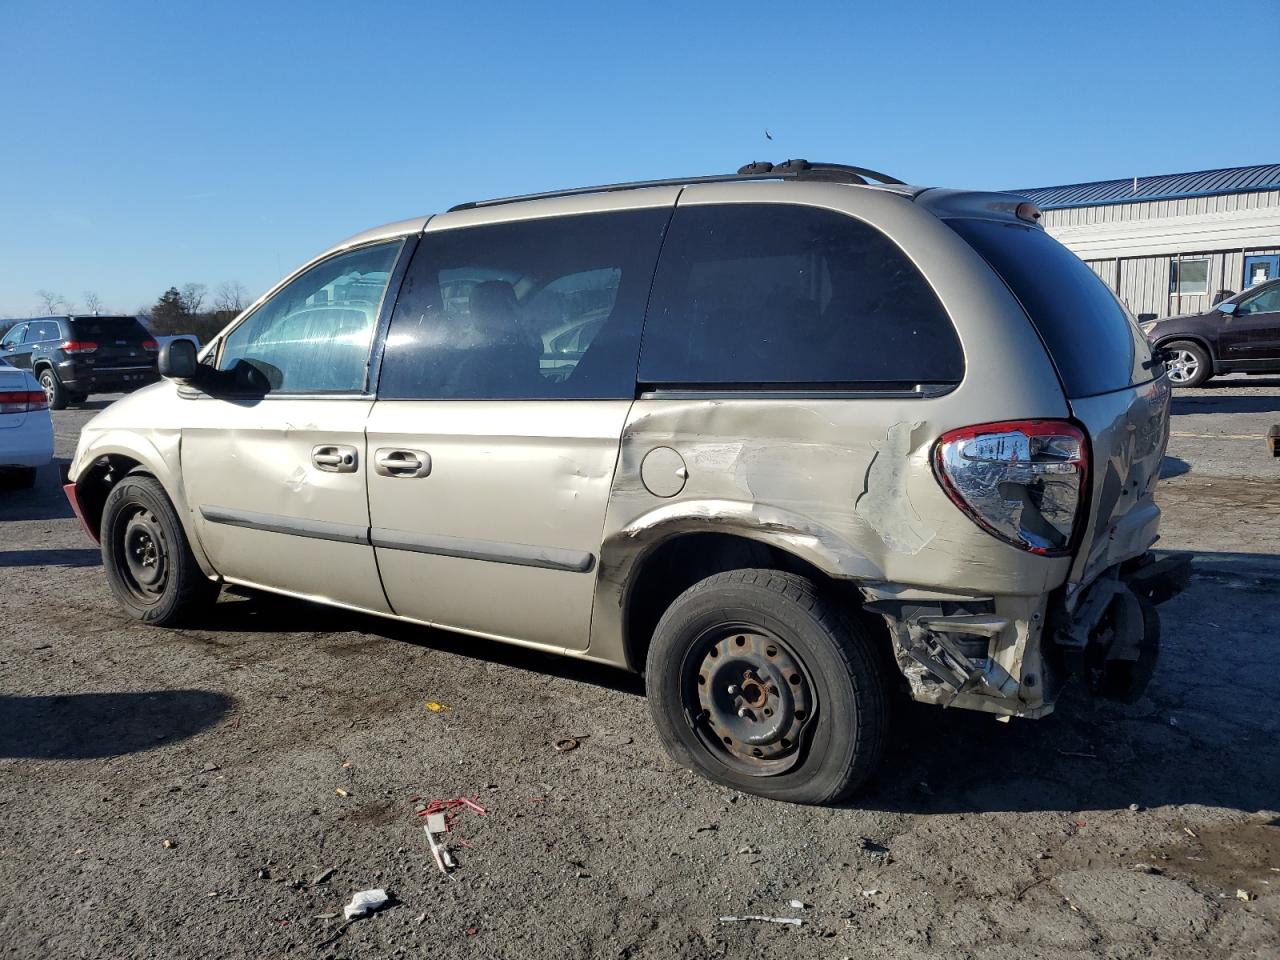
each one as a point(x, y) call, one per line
point(774, 294)
point(1094, 343)
point(108, 328)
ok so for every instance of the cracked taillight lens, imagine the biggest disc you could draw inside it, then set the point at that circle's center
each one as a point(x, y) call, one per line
point(1023, 481)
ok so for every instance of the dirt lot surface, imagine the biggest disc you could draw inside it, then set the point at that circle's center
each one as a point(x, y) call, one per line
point(278, 748)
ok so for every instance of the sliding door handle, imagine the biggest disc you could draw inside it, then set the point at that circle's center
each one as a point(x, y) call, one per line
point(395, 462)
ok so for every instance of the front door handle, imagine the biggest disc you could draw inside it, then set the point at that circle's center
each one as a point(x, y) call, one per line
point(396, 462)
point(335, 458)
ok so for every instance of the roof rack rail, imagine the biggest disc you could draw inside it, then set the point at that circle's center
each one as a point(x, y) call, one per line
point(756, 170)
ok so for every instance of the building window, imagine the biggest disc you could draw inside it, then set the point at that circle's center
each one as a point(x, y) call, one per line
point(1189, 278)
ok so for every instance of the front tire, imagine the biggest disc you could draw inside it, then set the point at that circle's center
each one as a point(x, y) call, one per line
point(149, 564)
point(1191, 365)
point(758, 682)
point(54, 391)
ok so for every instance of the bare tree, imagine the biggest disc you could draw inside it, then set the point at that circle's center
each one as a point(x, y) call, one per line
point(52, 303)
point(92, 302)
point(230, 297)
point(193, 296)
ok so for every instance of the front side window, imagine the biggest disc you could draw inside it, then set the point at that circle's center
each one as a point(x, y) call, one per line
point(13, 337)
point(313, 336)
point(530, 309)
point(770, 294)
point(1189, 278)
point(1267, 301)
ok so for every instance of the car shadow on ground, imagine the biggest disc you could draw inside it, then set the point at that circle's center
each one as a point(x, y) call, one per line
point(250, 611)
point(44, 501)
point(1193, 740)
point(1207, 401)
point(1173, 467)
point(84, 725)
point(86, 557)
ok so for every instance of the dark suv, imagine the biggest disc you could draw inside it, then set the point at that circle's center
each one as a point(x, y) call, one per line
point(1239, 335)
point(73, 357)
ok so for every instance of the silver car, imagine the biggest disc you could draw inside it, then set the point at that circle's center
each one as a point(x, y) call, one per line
point(785, 440)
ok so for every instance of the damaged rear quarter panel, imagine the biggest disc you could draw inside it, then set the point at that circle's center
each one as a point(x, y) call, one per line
point(845, 483)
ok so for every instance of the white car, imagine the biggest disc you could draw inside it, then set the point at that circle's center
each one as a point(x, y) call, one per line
point(26, 427)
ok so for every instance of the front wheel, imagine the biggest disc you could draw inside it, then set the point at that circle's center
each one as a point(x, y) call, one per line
point(758, 682)
point(1190, 365)
point(148, 560)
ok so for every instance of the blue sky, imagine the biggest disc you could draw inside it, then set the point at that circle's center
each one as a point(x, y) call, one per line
point(144, 145)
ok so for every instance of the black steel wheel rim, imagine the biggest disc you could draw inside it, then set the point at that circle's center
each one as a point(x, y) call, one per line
point(141, 553)
point(750, 699)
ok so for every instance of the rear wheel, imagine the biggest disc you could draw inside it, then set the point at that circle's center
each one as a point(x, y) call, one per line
point(1190, 365)
point(148, 560)
point(758, 682)
point(54, 391)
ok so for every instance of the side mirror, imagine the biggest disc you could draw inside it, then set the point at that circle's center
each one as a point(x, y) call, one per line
point(177, 360)
point(1227, 308)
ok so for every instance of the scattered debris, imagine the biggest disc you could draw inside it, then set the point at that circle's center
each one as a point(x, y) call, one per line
point(796, 904)
point(1076, 753)
point(322, 876)
point(346, 765)
point(365, 902)
point(1190, 833)
point(1173, 721)
point(1134, 807)
point(1244, 895)
point(869, 893)
point(746, 850)
point(1147, 868)
point(211, 766)
point(1025, 887)
point(565, 744)
point(341, 792)
point(790, 921)
point(709, 827)
point(439, 852)
point(169, 844)
point(420, 918)
point(435, 707)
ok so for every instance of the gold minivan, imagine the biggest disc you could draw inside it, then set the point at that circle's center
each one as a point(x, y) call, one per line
point(784, 440)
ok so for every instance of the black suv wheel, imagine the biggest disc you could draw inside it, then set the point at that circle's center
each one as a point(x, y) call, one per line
point(758, 682)
point(148, 560)
point(1189, 363)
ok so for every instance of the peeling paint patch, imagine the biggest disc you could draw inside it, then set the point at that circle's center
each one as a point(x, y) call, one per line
point(884, 503)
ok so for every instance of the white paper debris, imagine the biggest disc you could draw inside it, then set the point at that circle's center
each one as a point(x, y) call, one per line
point(366, 901)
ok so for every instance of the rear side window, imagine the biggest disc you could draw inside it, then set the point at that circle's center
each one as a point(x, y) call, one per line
point(1094, 343)
point(779, 294)
point(43, 331)
point(108, 329)
point(529, 309)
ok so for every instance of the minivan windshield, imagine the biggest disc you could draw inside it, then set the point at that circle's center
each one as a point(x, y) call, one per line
point(1091, 338)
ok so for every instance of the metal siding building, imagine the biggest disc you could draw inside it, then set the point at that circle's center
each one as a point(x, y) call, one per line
point(1216, 229)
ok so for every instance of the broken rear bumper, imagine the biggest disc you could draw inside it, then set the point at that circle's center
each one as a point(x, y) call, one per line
point(1011, 655)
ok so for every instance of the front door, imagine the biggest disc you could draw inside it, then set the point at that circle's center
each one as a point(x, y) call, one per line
point(1260, 269)
point(508, 374)
point(12, 349)
point(274, 462)
point(1252, 333)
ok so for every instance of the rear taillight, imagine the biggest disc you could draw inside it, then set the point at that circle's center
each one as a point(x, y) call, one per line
point(150, 345)
point(79, 346)
point(22, 401)
point(1023, 481)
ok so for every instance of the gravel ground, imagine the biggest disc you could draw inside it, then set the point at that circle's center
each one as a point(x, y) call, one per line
point(222, 791)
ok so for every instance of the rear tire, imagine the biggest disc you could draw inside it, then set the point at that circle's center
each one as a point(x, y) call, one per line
point(53, 389)
point(148, 559)
point(1192, 366)
point(768, 643)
